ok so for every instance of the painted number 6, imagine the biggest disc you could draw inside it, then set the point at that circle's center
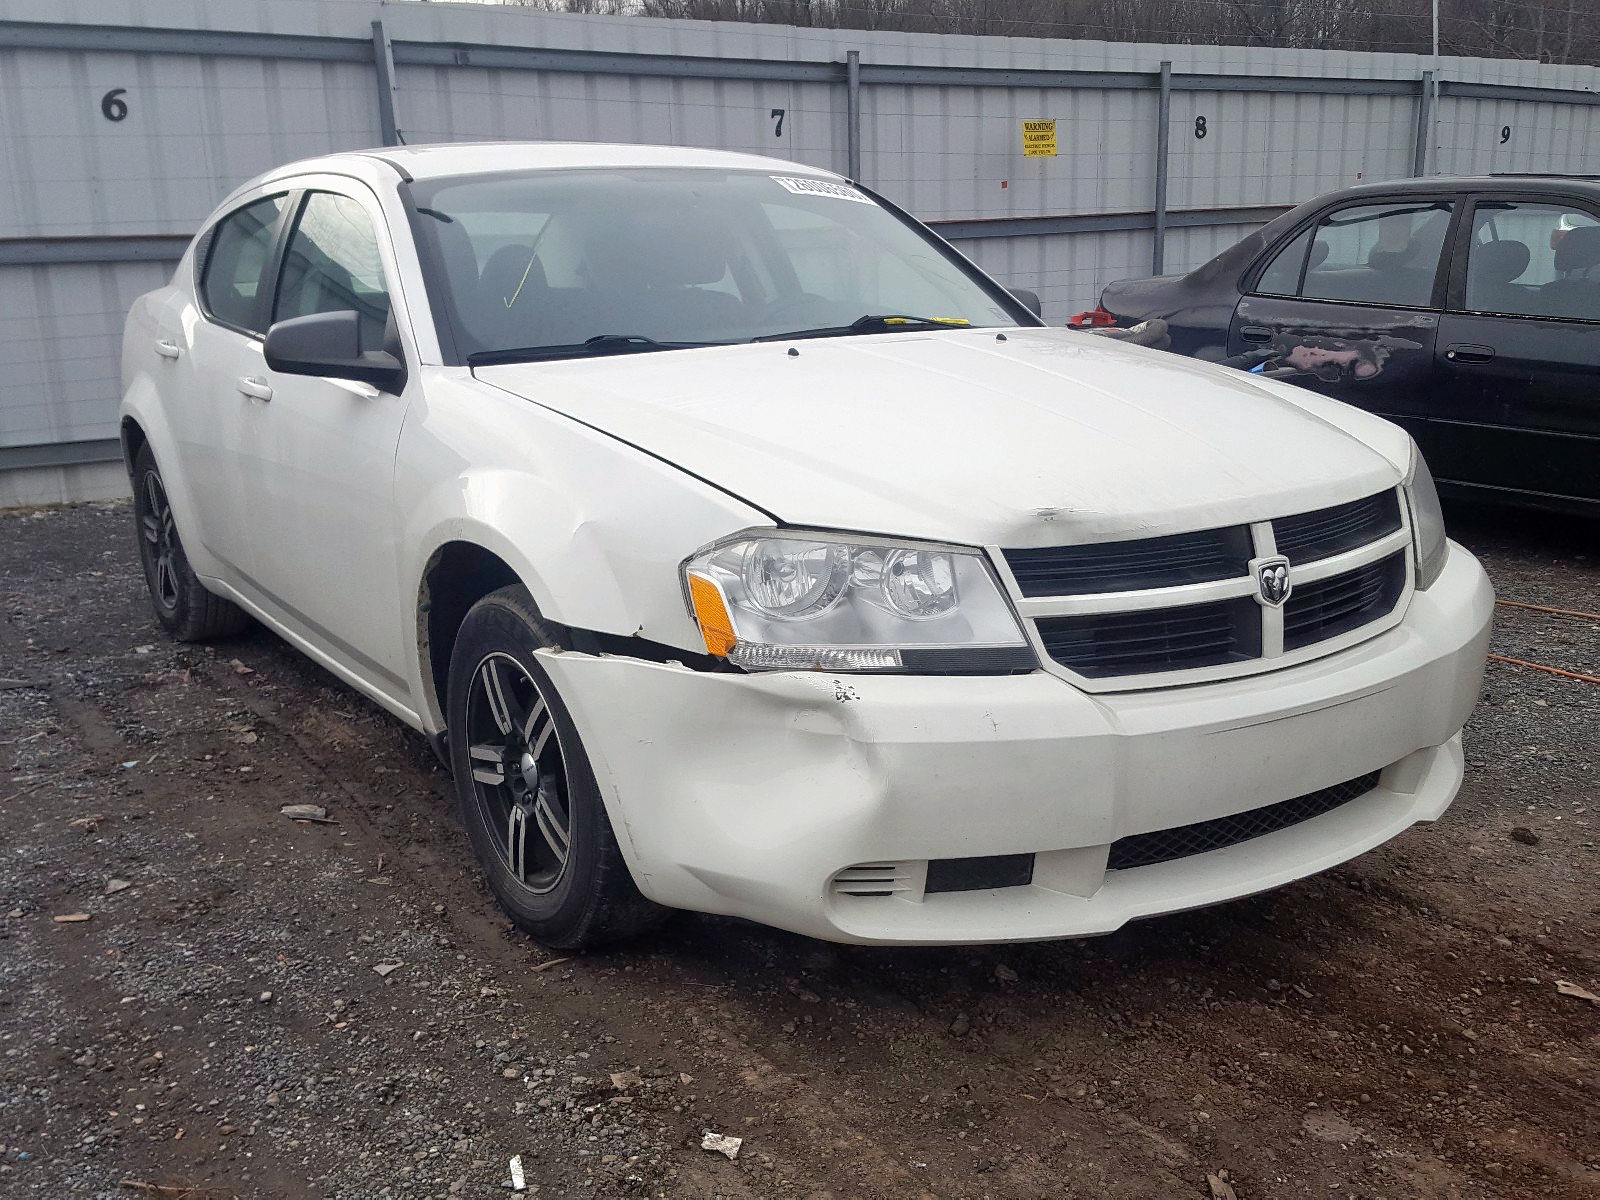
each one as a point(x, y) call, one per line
point(112, 106)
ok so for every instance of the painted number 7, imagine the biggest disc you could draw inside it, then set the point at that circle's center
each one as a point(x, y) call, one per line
point(777, 116)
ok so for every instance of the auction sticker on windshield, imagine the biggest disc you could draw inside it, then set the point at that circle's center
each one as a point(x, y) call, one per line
point(821, 187)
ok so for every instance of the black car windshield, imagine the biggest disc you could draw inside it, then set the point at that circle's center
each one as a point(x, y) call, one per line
point(568, 263)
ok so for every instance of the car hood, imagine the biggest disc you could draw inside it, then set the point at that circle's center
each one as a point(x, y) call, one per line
point(1044, 437)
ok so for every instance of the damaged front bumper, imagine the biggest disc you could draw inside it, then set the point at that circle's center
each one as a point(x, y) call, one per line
point(817, 802)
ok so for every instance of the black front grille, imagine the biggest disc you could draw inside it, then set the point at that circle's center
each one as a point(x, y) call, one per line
point(1307, 537)
point(1201, 557)
point(1161, 639)
point(1164, 845)
point(1318, 611)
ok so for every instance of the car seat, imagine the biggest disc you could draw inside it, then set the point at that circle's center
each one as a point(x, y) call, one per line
point(1492, 269)
point(653, 272)
point(1576, 292)
point(510, 306)
point(1406, 276)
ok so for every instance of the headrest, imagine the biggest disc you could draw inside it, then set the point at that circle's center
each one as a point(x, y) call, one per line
point(1384, 257)
point(1500, 262)
point(511, 274)
point(1579, 250)
point(1319, 255)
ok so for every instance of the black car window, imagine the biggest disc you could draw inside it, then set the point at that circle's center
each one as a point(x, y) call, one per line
point(333, 265)
point(1378, 254)
point(1282, 276)
point(235, 255)
point(1534, 260)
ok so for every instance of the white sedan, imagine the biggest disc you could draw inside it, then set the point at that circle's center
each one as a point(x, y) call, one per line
point(744, 549)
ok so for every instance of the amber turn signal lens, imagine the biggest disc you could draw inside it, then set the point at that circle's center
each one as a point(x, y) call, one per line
point(716, 626)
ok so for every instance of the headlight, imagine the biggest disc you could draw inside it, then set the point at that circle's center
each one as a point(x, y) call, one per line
point(1427, 521)
point(781, 601)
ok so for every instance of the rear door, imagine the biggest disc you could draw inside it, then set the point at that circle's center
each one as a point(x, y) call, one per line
point(213, 351)
point(1353, 299)
point(1517, 394)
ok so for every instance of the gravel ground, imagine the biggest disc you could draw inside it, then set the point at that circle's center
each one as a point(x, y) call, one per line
point(259, 1007)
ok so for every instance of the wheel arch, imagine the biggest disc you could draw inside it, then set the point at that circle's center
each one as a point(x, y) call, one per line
point(133, 439)
point(456, 576)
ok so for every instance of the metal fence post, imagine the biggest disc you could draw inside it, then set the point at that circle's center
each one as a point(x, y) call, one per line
point(383, 61)
point(1158, 251)
point(1419, 153)
point(852, 116)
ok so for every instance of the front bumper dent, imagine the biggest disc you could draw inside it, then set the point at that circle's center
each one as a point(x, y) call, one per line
point(749, 794)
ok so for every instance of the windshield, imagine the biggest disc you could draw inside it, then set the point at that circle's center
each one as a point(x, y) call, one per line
point(659, 258)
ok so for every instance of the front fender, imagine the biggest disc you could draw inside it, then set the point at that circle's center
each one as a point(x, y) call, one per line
point(594, 528)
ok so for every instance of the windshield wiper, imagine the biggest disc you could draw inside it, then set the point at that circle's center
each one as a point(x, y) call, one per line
point(871, 323)
point(600, 344)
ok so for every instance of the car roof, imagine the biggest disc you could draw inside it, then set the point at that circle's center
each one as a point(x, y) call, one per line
point(1564, 184)
point(478, 158)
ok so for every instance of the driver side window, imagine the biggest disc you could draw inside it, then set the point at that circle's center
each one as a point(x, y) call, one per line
point(333, 265)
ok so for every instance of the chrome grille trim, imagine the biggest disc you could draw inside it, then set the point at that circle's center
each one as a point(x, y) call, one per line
point(1358, 575)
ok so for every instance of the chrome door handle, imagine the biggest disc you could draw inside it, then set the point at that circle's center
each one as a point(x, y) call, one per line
point(168, 348)
point(257, 389)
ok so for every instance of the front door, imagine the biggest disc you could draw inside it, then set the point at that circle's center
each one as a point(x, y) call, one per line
point(1353, 301)
point(320, 464)
point(1517, 398)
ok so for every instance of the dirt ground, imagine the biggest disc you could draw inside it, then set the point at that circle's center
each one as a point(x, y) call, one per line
point(1392, 1028)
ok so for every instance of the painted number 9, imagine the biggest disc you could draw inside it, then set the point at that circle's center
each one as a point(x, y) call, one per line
point(1505, 134)
point(1199, 127)
point(112, 106)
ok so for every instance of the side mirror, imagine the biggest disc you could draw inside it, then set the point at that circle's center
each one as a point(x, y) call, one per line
point(1029, 300)
point(330, 345)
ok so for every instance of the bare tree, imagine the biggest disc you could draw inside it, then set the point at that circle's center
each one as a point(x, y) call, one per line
point(1561, 31)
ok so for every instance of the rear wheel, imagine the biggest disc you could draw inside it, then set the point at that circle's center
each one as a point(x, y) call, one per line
point(183, 606)
point(525, 789)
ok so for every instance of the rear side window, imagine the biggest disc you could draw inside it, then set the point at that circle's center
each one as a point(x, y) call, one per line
point(236, 256)
point(1534, 260)
point(1282, 276)
point(1384, 254)
point(333, 265)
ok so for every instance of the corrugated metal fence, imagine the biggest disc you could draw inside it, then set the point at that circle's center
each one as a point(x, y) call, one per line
point(122, 124)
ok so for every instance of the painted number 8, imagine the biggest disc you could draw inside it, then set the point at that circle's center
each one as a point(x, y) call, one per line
point(1199, 127)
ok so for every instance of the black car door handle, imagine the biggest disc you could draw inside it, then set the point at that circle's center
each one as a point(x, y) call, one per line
point(1469, 354)
point(1255, 333)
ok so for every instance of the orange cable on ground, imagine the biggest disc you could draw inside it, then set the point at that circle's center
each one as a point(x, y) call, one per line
point(1545, 608)
point(1541, 667)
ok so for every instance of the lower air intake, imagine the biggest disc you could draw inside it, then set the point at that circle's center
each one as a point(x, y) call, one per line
point(979, 874)
point(873, 879)
point(1164, 845)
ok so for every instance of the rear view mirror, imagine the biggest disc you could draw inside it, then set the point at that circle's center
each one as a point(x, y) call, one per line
point(330, 345)
point(1029, 300)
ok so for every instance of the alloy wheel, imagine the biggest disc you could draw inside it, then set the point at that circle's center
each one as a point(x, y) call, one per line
point(519, 772)
point(161, 538)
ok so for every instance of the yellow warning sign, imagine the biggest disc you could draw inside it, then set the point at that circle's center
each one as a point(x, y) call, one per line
point(1039, 139)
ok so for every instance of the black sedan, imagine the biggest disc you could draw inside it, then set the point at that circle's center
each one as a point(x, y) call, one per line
point(1466, 309)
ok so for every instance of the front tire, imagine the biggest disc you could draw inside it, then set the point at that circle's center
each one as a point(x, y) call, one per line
point(182, 604)
point(525, 789)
